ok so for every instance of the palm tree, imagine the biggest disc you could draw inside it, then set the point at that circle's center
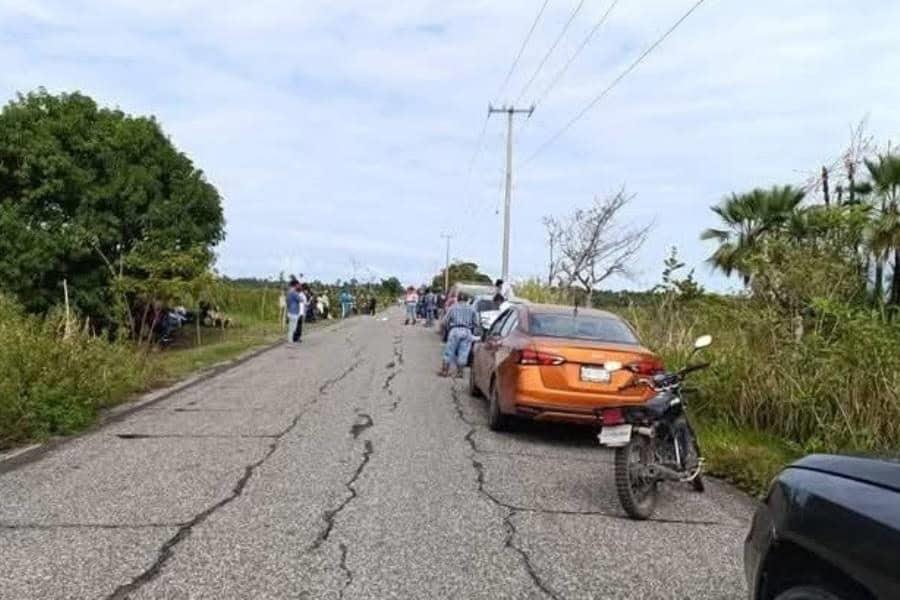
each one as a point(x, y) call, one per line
point(885, 231)
point(748, 218)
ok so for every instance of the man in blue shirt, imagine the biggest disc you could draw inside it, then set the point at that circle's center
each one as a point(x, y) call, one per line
point(293, 309)
point(462, 322)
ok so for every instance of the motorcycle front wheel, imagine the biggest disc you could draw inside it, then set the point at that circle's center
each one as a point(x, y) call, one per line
point(636, 492)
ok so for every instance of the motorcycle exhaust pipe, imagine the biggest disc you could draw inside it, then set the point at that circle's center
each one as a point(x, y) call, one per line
point(661, 472)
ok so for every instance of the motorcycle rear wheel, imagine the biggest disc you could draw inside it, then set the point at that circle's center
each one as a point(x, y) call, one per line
point(637, 496)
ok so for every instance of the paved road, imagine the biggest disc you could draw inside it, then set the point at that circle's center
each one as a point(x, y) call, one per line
point(346, 469)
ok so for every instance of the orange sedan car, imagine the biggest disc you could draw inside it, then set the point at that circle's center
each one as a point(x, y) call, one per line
point(546, 363)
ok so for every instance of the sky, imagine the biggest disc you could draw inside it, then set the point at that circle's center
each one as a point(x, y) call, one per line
point(344, 136)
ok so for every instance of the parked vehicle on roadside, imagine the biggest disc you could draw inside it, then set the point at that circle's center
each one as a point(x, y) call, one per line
point(488, 310)
point(546, 362)
point(829, 530)
point(654, 441)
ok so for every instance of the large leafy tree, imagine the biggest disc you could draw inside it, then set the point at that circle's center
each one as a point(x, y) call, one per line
point(466, 272)
point(747, 219)
point(82, 189)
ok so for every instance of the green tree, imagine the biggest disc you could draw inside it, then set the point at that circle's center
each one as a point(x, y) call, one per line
point(391, 287)
point(81, 187)
point(466, 272)
point(885, 231)
point(747, 218)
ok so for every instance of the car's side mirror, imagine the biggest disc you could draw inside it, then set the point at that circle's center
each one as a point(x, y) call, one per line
point(702, 342)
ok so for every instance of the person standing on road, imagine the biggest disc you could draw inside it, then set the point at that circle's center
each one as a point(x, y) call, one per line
point(292, 306)
point(411, 300)
point(462, 322)
point(430, 307)
point(346, 303)
point(303, 301)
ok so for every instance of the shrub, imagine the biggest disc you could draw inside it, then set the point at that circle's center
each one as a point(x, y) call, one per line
point(826, 382)
point(54, 386)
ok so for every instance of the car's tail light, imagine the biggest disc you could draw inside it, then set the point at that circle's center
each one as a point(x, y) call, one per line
point(612, 416)
point(646, 366)
point(529, 356)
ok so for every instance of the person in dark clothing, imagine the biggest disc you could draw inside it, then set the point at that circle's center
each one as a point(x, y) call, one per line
point(373, 305)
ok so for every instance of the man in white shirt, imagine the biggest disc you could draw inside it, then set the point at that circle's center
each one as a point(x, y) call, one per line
point(304, 305)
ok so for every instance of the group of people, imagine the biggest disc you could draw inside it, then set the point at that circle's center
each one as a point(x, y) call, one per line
point(297, 307)
point(461, 321)
point(303, 305)
point(425, 304)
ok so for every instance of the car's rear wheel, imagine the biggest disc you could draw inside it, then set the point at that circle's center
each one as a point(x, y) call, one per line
point(497, 421)
point(637, 494)
point(810, 592)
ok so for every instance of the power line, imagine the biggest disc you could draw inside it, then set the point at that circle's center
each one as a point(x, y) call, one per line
point(614, 83)
point(515, 62)
point(550, 51)
point(571, 60)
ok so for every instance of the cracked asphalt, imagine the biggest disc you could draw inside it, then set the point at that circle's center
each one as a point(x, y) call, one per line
point(345, 468)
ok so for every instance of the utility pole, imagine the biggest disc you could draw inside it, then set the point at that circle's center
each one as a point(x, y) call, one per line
point(447, 237)
point(510, 112)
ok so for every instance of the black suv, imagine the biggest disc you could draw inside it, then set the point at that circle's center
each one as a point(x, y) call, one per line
point(829, 530)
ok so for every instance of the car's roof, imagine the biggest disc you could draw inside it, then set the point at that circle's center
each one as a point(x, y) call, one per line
point(562, 309)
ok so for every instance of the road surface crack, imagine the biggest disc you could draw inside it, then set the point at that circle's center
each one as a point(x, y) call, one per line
point(348, 574)
point(167, 550)
point(397, 366)
point(364, 422)
point(510, 511)
point(330, 383)
point(331, 515)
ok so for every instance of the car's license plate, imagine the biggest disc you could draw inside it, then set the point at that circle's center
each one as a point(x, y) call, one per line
point(615, 435)
point(594, 374)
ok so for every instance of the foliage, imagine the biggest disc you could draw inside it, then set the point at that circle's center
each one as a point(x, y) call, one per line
point(50, 385)
point(391, 287)
point(466, 272)
point(685, 288)
point(747, 219)
point(83, 190)
point(834, 387)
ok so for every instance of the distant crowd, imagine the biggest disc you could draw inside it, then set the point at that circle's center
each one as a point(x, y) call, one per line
point(304, 305)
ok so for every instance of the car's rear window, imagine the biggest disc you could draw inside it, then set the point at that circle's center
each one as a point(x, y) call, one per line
point(582, 327)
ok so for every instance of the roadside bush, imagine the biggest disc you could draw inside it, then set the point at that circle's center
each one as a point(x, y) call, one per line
point(54, 386)
point(827, 382)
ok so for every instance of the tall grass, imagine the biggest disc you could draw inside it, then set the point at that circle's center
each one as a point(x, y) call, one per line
point(51, 385)
point(827, 382)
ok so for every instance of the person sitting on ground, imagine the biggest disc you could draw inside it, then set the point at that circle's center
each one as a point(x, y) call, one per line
point(462, 323)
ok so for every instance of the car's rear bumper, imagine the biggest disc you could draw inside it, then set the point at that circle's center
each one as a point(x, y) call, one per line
point(535, 401)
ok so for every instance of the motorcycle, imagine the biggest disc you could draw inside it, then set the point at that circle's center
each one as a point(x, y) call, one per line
point(654, 442)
